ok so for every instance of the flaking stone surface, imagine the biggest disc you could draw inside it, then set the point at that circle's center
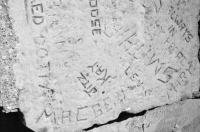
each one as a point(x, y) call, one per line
point(82, 62)
point(183, 116)
point(8, 52)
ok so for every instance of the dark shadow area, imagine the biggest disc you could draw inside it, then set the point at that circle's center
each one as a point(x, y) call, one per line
point(196, 95)
point(13, 122)
point(122, 117)
point(199, 37)
point(198, 52)
point(21, 117)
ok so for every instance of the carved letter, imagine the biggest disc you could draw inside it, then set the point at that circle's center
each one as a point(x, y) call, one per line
point(104, 79)
point(37, 8)
point(97, 110)
point(92, 67)
point(93, 3)
point(83, 80)
point(46, 115)
point(38, 20)
point(80, 112)
point(95, 23)
point(93, 90)
point(107, 104)
point(94, 13)
point(42, 53)
point(39, 40)
point(65, 115)
point(180, 57)
point(96, 31)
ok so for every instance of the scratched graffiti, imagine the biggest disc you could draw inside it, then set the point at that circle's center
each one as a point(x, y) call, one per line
point(158, 122)
point(95, 23)
point(37, 13)
point(99, 71)
point(144, 57)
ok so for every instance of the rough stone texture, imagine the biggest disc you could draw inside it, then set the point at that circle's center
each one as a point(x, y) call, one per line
point(179, 117)
point(83, 62)
point(8, 52)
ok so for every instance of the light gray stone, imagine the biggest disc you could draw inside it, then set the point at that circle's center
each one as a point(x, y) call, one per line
point(82, 62)
point(179, 117)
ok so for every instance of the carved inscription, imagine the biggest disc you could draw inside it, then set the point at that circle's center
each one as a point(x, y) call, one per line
point(66, 116)
point(37, 13)
point(101, 77)
point(134, 77)
point(88, 86)
point(95, 22)
point(144, 49)
point(47, 114)
point(101, 72)
point(180, 23)
point(44, 68)
point(98, 109)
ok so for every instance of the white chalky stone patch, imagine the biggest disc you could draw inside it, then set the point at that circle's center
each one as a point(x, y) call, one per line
point(83, 62)
point(180, 117)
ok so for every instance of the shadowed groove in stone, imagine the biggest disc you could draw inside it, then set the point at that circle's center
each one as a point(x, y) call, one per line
point(199, 37)
point(196, 95)
point(122, 117)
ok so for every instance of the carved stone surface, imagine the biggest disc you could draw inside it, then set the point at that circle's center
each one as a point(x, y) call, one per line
point(83, 62)
point(179, 117)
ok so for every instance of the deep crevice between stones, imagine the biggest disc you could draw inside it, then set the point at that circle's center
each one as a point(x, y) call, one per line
point(199, 37)
point(198, 95)
point(124, 115)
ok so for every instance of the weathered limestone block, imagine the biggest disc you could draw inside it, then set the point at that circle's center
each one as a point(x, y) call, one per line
point(179, 117)
point(83, 62)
